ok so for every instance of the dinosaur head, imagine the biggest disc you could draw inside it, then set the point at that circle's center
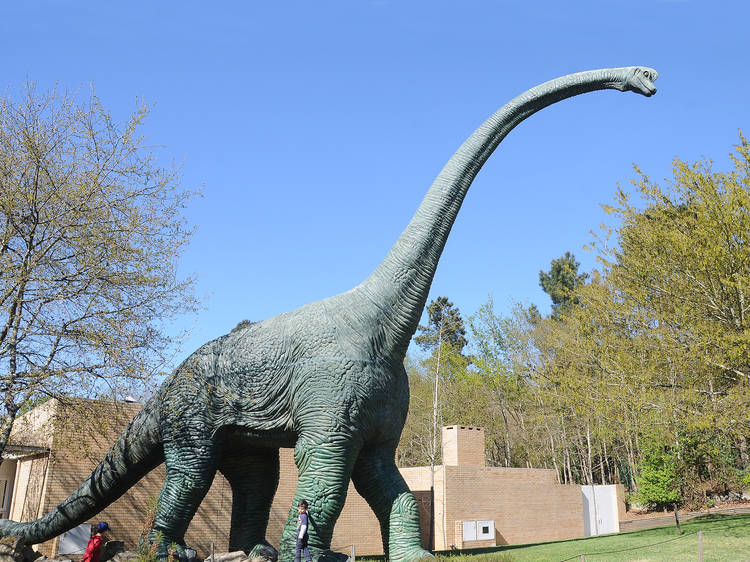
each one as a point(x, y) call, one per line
point(639, 79)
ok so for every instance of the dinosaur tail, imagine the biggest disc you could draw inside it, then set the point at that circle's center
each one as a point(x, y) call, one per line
point(137, 451)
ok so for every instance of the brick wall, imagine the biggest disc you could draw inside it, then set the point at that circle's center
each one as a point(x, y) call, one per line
point(82, 434)
point(463, 445)
point(526, 504)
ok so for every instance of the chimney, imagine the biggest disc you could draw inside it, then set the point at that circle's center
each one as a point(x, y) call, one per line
point(463, 445)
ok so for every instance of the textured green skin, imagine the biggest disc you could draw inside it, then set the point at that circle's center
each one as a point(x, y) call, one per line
point(327, 379)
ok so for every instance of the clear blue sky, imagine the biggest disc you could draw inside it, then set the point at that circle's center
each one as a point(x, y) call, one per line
point(315, 128)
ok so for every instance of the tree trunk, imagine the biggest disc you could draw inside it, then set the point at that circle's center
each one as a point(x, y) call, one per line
point(526, 449)
point(507, 433)
point(603, 461)
point(743, 453)
point(584, 471)
point(6, 425)
point(554, 459)
point(566, 445)
point(631, 463)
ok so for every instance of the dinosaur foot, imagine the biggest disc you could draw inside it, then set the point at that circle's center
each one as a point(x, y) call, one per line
point(327, 555)
point(181, 553)
point(411, 555)
point(164, 548)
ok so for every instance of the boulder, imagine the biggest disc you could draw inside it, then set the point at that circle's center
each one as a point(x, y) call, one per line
point(125, 556)
point(14, 549)
point(237, 556)
point(110, 549)
point(266, 553)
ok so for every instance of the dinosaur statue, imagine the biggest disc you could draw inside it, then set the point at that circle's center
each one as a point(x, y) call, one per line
point(327, 379)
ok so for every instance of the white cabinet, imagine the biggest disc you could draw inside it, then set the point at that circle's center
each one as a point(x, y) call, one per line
point(482, 530)
point(485, 530)
point(600, 515)
point(470, 531)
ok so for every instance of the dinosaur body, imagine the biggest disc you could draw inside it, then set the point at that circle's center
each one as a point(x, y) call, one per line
point(327, 379)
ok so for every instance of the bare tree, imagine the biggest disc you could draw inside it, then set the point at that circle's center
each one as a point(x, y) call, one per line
point(91, 229)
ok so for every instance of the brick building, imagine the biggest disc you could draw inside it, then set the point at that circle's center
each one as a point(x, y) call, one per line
point(55, 446)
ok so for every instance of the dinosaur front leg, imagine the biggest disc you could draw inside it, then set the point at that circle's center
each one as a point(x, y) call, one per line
point(325, 466)
point(379, 482)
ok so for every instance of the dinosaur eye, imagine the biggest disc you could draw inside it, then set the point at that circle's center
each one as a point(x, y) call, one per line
point(645, 73)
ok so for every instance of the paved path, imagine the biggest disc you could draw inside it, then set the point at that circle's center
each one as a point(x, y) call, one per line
point(651, 522)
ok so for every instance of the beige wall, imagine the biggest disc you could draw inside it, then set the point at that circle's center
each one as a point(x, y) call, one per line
point(79, 435)
point(463, 445)
point(526, 504)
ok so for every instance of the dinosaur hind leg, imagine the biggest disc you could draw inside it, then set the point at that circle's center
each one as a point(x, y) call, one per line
point(191, 468)
point(253, 474)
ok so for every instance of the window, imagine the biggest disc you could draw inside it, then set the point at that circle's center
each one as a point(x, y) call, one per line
point(4, 498)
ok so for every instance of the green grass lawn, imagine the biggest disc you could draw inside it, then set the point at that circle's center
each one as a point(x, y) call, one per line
point(726, 538)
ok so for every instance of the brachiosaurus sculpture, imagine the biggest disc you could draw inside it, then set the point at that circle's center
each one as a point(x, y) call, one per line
point(327, 379)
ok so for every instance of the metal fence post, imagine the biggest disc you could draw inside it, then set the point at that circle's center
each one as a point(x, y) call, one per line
point(353, 555)
point(700, 546)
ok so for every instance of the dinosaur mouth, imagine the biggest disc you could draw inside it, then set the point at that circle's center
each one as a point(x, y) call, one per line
point(645, 84)
point(649, 89)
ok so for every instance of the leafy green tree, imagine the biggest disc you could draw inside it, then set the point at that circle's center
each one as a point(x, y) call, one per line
point(90, 234)
point(683, 256)
point(444, 325)
point(560, 282)
point(444, 336)
point(659, 483)
point(503, 402)
point(642, 369)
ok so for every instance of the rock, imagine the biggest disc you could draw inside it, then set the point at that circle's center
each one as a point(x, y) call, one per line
point(264, 553)
point(189, 555)
point(236, 556)
point(264, 557)
point(12, 549)
point(11, 545)
point(125, 556)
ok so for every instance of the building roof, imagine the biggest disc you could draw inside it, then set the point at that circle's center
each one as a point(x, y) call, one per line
point(14, 452)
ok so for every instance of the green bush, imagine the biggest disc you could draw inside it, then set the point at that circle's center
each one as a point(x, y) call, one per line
point(659, 482)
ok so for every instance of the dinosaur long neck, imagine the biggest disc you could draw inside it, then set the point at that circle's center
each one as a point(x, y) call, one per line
point(399, 286)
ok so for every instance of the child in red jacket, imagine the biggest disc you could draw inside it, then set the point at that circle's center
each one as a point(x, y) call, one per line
point(95, 543)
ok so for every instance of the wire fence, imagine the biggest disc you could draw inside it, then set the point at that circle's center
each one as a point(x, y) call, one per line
point(603, 552)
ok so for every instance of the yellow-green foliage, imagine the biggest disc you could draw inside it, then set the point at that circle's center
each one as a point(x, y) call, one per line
point(90, 233)
point(653, 347)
